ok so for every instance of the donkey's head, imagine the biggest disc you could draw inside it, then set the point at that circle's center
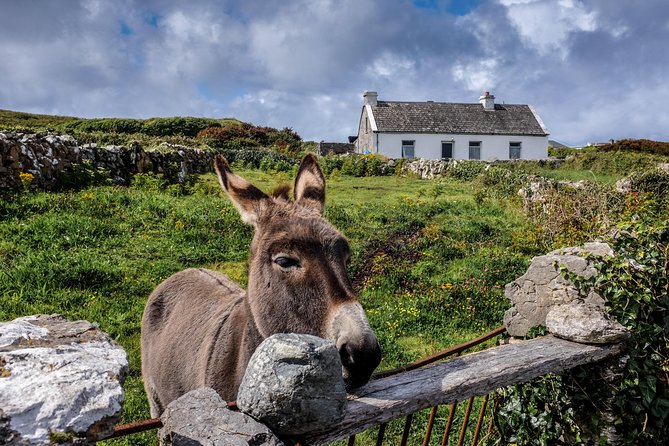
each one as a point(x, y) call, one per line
point(297, 270)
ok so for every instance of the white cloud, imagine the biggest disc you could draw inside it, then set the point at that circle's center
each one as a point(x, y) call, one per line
point(545, 25)
point(586, 66)
point(476, 76)
point(389, 65)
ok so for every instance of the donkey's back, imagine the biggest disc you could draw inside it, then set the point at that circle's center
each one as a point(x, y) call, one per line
point(191, 308)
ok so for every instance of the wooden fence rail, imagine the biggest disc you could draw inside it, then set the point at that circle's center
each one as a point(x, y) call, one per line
point(458, 379)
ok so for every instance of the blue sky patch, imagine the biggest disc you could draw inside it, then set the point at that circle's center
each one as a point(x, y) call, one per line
point(125, 29)
point(455, 7)
point(151, 19)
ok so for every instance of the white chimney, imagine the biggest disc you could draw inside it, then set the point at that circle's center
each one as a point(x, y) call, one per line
point(488, 101)
point(370, 97)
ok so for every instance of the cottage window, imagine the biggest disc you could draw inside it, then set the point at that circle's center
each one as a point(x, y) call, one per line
point(408, 149)
point(366, 124)
point(474, 150)
point(514, 150)
point(446, 150)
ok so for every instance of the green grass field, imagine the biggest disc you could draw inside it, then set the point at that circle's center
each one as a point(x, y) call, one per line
point(430, 263)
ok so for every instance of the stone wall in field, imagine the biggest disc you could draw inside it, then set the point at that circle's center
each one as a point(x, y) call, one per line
point(34, 160)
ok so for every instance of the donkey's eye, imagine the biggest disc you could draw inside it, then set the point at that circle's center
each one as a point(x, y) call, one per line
point(287, 262)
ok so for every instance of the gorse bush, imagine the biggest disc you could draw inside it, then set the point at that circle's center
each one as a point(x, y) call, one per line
point(359, 165)
point(285, 140)
point(637, 145)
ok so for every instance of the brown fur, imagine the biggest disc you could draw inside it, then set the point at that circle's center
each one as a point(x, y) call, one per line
point(199, 328)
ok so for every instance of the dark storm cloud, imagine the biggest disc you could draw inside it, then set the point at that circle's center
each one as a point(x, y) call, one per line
point(593, 69)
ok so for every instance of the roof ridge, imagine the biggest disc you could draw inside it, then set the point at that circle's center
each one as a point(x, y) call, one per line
point(442, 102)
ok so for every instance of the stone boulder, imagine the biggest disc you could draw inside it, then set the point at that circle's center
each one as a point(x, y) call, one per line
point(201, 417)
point(542, 286)
point(294, 384)
point(588, 324)
point(426, 169)
point(60, 381)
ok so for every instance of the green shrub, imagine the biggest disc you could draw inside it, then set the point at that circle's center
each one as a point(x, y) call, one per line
point(81, 175)
point(330, 163)
point(654, 182)
point(177, 126)
point(637, 145)
point(465, 170)
point(248, 135)
point(609, 162)
point(562, 151)
point(562, 409)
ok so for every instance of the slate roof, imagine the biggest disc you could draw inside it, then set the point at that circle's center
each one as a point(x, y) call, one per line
point(447, 117)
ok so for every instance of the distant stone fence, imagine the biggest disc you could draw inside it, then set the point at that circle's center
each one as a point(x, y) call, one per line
point(430, 169)
point(45, 157)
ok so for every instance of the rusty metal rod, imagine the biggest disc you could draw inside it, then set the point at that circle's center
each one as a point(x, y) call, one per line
point(477, 431)
point(441, 355)
point(465, 421)
point(430, 425)
point(449, 424)
point(136, 427)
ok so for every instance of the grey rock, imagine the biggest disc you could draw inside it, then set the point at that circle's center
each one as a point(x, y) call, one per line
point(58, 378)
point(542, 286)
point(585, 323)
point(201, 417)
point(294, 384)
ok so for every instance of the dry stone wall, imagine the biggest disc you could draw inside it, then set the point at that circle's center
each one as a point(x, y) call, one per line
point(45, 157)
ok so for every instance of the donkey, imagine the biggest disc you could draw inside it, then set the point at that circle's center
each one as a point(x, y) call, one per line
point(199, 328)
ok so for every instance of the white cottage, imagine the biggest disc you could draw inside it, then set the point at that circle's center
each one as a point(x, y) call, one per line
point(443, 130)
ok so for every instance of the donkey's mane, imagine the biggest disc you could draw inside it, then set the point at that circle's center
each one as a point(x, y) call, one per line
point(281, 191)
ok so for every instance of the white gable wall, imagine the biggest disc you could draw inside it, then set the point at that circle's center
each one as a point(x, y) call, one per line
point(428, 145)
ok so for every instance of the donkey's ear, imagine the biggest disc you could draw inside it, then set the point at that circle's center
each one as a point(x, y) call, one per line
point(247, 198)
point(310, 185)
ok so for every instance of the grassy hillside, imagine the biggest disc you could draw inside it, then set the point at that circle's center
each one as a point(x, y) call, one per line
point(225, 133)
point(430, 257)
point(430, 262)
point(13, 120)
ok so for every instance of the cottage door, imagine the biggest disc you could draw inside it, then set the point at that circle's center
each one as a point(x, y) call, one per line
point(446, 150)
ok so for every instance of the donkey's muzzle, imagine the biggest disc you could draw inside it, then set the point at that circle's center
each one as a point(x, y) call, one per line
point(359, 360)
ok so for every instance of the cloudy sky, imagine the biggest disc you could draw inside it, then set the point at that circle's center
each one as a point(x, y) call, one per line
point(594, 69)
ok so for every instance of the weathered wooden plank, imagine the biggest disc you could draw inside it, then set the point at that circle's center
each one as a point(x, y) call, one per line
point(478, 373)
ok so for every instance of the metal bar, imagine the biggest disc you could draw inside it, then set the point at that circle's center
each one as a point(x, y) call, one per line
point(382, 432)
point(444, 354)
point(449, 424)
point(407, 430)
point(351, 440)
point(136, 427)
point(477, 431)
point(463, 429)
point(430, 425)
point(492, 416)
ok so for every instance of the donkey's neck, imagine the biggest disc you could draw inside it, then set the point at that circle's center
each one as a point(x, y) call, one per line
point(236, 341)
